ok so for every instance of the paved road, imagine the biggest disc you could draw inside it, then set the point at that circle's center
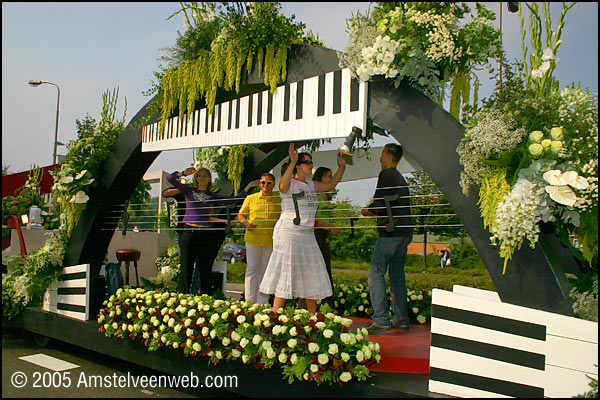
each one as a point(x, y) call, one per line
point(93, 374)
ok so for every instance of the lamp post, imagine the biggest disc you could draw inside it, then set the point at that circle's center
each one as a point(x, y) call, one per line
point(36, 83)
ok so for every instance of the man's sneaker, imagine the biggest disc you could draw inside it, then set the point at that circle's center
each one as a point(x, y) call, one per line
point(401, 327)
point(374, 329)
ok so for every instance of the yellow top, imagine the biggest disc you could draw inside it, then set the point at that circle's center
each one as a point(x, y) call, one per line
point(264, 213)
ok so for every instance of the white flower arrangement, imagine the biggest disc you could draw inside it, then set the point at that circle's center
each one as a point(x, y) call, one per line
point(341, 355)
point(521, 205)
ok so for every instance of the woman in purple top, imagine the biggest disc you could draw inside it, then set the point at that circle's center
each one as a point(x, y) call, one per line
point(197, 234)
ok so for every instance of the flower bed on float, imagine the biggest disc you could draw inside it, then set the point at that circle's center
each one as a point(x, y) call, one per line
point(318, 348)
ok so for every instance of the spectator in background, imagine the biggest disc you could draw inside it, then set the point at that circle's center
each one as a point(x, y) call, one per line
point(444, 257)
point(391, 246)
point(258, 215)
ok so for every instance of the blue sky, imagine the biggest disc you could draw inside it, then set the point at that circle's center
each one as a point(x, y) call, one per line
point(89, 48)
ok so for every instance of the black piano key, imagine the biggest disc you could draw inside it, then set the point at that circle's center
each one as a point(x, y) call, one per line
point(286, 103)
point(212, 120)
point(299, 92)
point(219, 119)
point(237, 113)
point(269, 107)
point(206, 122)
point(337, 92)
point(259, 110)
point(229, 115)
point(354, 90)
point(250, 99)
point(321, 96)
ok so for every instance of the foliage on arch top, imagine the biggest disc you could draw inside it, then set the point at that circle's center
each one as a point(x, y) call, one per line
point(429, 45)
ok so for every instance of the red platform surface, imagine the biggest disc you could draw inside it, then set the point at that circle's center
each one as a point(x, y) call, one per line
point(401, 351)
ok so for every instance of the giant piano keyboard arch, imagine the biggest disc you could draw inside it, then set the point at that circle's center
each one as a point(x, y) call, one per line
point(320, 107)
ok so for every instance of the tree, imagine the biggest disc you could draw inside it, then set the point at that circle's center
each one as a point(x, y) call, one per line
point(430, 209)
point(5, 168)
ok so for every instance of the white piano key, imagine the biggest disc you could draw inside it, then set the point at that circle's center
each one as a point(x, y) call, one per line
point(311, 93)
point(278, 102)
point(253, 137)
point(243, 131)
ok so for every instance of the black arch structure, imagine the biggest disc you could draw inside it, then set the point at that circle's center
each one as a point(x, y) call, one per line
point(534, 278)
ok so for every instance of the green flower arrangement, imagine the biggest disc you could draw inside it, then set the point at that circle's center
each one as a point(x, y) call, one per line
point(315, 348)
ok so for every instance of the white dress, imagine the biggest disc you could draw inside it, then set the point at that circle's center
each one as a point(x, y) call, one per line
point(296, 267)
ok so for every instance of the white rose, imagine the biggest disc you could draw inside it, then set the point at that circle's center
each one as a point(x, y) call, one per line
point(282, 358)
point(328, 333)
point(333, 349)
point(345, 376)
point(345, 357)
point(256, 339)
point(323, 358)
point(313, 347)
point(360, 356)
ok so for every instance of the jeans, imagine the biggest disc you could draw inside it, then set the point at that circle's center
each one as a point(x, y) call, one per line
point(389, 251)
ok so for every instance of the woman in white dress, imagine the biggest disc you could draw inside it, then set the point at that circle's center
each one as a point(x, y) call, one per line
point(296, 267)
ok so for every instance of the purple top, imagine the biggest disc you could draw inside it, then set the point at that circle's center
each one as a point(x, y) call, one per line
point(198, 202)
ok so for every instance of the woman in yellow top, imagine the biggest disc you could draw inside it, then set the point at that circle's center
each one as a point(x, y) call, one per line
point(258, 215)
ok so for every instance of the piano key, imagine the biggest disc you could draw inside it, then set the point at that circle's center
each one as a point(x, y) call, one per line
point(299, 92)
point(292, 126)
point(229, 114)
point(237, 113)
point(219, 118)
point(346, 83)
point(243, 117)
point(286, 103)
point(250, 104)
point(278, 114)
point(321, 96)
point(269, 107)
point(259, 103)
point(337, 92)
point(354, 95)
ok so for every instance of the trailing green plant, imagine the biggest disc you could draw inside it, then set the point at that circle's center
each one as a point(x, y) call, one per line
point(219, 42)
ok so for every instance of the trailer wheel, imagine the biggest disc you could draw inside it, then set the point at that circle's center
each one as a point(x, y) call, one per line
point(41, 340)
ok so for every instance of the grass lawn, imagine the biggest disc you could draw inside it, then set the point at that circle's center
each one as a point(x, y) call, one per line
point(468, 272)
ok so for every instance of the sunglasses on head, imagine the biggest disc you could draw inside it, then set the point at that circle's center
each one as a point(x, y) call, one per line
point(266, 182)
point(309, 162)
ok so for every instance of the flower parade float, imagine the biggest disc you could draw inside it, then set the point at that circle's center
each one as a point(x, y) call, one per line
point(410, 54)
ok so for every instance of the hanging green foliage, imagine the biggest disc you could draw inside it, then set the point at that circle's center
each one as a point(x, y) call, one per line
point(258, 31)
point(235, 165)
point(493, 189)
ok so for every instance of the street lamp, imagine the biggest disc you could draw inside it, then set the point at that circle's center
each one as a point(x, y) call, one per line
point(36, 83)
